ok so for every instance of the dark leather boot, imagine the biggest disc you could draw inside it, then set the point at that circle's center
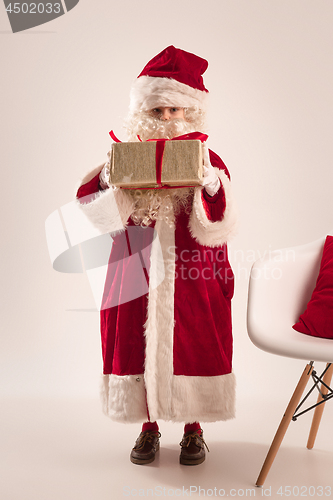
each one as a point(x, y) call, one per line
point(145, 448)
point(193, 448)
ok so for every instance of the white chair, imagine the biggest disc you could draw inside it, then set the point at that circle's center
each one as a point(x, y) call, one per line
point(279, 290)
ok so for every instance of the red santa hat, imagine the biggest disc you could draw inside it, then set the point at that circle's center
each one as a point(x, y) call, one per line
point(172, 78)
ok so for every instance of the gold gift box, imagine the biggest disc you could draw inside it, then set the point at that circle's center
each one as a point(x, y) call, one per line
point(133, 164)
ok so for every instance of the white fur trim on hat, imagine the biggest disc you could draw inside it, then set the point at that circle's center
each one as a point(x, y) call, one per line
point(149, 92)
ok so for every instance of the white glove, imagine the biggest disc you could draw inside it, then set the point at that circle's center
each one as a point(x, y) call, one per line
point(104, 176)
point(210, 181)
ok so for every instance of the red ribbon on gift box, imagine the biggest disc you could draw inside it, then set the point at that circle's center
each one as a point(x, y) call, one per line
point(160, 145)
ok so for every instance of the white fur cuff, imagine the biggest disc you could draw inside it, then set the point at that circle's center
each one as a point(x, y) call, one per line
point(213, 234)
point(109, 211)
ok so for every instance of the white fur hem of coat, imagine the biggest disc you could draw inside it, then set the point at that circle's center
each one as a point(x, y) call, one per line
point(200, 399)
point(203, 399)
point(206, 232)
point(123, 398)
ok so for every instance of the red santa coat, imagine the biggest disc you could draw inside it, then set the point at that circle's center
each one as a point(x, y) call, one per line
point(167, 352)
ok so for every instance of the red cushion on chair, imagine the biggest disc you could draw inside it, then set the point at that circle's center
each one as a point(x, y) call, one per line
point(317, 319)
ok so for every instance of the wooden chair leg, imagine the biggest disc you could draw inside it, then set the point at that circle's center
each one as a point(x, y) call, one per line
point(319, 409)
point(282, 429)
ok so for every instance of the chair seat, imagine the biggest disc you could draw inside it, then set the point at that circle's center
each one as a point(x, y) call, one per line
point(289, 343)
point(280, 287)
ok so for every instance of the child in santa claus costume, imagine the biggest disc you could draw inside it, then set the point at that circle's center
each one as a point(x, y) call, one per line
point(167, 353)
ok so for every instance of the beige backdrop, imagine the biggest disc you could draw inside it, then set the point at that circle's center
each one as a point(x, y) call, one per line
point(65, 84)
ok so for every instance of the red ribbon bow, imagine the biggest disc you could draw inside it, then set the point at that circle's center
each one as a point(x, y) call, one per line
point(160, 145)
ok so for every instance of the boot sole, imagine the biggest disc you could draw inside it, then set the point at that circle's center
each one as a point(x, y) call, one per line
point(188, 461)
point(143, 461)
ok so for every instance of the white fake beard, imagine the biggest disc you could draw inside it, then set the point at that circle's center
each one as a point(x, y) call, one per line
point(160, 204)
point(145, 126)
point(157, 204)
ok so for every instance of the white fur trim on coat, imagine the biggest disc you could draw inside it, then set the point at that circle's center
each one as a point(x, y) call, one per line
point(149, 92)
point(203, 399)
point(159, 328)
point(123, 398)
point(109, 210)
point(89, 175)
point(206, 232)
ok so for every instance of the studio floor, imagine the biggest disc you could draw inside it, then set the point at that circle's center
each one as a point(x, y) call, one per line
point(68, 450)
